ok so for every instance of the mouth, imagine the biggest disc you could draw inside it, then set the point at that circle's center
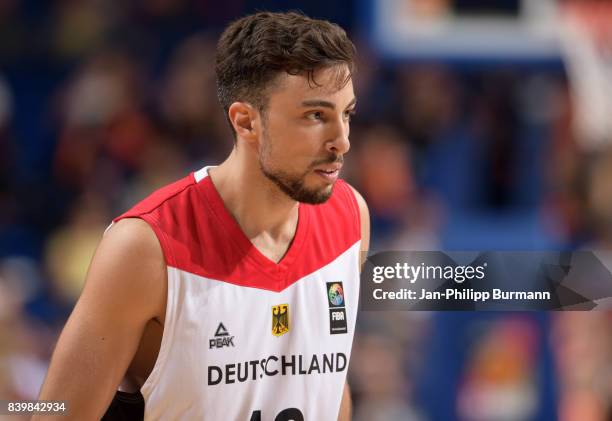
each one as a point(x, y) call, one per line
point(329, 173)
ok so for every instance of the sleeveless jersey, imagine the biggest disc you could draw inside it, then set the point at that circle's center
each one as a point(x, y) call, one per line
point(246, 338)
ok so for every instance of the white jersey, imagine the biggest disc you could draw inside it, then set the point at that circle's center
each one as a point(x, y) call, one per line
point(246, 338)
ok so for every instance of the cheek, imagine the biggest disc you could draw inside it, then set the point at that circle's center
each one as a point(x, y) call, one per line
point(274, 152)
point(297, 143)
point(292, 146)
point(310, 140)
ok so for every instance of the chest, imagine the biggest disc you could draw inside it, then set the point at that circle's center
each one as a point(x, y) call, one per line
point(227, 322)
point(236, 347)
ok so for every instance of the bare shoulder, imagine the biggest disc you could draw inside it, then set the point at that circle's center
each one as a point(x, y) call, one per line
point(131, 238)
point(129, 264)
point(364, 214)
point(133, 235)
point(363, 206)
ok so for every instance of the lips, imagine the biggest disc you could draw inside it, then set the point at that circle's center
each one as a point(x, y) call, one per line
point(331, 168)
point(329, 172)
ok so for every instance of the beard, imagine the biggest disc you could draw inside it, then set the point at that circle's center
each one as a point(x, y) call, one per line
point(293, 185)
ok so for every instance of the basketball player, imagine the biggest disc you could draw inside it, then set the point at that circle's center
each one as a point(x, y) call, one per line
point(232, 293)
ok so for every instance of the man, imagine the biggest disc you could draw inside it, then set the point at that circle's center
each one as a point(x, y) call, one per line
point(232, 293)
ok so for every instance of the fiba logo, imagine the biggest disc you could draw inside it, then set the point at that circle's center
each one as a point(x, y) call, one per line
point(335, 293)
point(337, 308)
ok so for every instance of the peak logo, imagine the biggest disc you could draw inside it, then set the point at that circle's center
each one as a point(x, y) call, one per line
point(222, 338)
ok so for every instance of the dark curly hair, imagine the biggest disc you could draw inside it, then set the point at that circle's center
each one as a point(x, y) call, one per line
point(255, 49)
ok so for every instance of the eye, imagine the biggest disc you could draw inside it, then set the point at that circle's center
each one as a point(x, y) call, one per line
point(315, 115)
point(348, 114)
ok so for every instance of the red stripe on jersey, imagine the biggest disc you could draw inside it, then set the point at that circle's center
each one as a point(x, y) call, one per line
point(198, 235)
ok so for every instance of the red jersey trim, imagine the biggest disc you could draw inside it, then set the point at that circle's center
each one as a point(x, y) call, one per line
point(199, 235)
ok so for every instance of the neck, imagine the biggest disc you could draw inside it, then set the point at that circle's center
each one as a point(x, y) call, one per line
point(257, 204)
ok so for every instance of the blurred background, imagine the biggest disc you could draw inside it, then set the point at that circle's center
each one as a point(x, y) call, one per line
point(481, 125)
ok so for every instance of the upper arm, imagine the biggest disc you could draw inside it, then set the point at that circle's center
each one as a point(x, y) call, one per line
point(346, 404)
point(364, 216)
point(124, 289)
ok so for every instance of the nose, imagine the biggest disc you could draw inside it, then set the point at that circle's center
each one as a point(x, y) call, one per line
point(340, 144)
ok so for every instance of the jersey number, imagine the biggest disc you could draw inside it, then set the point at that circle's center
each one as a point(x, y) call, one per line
point(289, 414)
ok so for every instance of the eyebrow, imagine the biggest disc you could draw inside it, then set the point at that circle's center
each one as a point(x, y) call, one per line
point(325, 104)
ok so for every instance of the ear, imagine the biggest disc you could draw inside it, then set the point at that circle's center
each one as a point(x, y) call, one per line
point(243, 117)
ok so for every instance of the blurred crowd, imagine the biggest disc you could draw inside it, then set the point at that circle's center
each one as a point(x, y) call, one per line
point(103, 102)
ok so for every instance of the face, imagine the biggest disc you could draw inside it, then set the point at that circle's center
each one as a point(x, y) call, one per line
point(305, 134)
